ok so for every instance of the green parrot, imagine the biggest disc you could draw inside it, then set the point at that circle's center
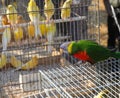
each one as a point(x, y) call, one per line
point(87, 50)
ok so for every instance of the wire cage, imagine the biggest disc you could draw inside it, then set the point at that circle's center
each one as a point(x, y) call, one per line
point(33, 66)
point(81, 81)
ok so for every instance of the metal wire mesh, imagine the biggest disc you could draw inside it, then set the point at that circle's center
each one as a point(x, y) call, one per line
point(17, 82)
point(86, 80)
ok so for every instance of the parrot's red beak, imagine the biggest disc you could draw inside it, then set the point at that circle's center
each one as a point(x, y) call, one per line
point(64, 46)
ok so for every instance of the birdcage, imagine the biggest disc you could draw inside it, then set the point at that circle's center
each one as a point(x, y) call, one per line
point(31, 63)
point(81, 81)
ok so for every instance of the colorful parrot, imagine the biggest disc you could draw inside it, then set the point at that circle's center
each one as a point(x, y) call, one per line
point(65, 10)
point(88, 51)
point(48, 9)
point(34, 16)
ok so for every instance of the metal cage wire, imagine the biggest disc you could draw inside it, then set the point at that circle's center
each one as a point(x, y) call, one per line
point(53, 76)
point(83, 80)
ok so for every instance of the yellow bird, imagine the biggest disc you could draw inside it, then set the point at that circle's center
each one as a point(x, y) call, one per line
point(34, 16)
point(6, 38)
point(65, 9)
point(3, 60)
point(49, 9)
point(18, 33)
point(20, 65)
point(11, 14)
point(43, 29)
point(102, 94)
point(30, 64)
point(51, 29)
point(31, 31)
point(15, 62)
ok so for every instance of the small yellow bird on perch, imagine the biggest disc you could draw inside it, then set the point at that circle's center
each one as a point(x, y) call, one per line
point(20, 65)
point(65, 9)
point(3, 60)
point(34, 16)
point(49, 9)
point(11, 14)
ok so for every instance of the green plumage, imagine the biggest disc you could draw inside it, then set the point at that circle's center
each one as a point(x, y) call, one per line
point(95, 51)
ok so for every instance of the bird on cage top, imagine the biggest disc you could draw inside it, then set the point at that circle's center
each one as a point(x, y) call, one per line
point(89, 51)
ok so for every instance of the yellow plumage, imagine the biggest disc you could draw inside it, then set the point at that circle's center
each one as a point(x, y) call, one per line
point(15, 62)
point(102, 94)
point(30, 64)
point(51, 29)
point(43, 29)
point(49, 9)
point(18, 33)
point(19, 65)
point(34, 16)
point(11, 14)
point(65, 10)
point(31, 31)
point(3, 61)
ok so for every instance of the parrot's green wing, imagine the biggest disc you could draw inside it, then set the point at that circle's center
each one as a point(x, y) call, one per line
point(98, 52)
point(87, 42)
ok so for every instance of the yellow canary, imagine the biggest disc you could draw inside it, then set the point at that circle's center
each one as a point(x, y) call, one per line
point(34, 16)
point(102, 94)
point(11, 14)
point(51, 29)
point(65, 10)
point(30, 64)
point(19, 65)
point(3, 60)
point(49, 9)
point(6, 38)
point(31, 31)
point(18, 33)
point(15, 62)
point(43, 29)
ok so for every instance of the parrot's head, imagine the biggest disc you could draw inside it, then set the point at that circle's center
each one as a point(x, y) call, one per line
point(69, 47)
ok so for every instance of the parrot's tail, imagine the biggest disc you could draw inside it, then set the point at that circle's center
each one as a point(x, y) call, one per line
point(117, 55)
